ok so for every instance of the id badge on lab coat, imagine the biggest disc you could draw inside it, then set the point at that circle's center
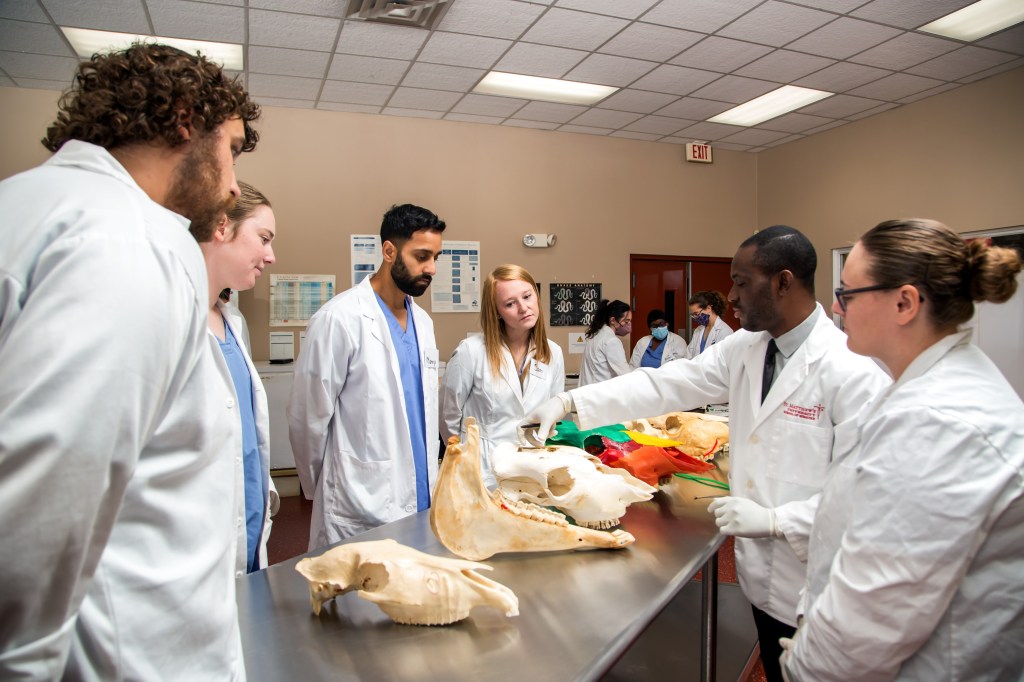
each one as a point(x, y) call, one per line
point(539, 370)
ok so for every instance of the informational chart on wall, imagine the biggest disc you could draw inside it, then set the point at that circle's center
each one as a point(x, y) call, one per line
point(456, 285)
point(573, 305)
point(366, 256)
point(294, 298)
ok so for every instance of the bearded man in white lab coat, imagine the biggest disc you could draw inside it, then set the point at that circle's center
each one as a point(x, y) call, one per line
point(783, 415)
point(362, 416)
point(117, 489)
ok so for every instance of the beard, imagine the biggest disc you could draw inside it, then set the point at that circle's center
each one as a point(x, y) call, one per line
point(196, 187)
point(759, 313)
point(406, 283)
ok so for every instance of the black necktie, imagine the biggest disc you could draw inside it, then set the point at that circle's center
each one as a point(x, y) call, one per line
point(768, 374)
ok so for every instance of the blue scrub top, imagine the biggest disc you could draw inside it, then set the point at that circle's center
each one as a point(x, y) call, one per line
point(408, 350)
point(255, 502)
point(652, 357)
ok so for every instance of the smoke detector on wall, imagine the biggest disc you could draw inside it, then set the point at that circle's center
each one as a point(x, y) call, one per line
point(421, 13)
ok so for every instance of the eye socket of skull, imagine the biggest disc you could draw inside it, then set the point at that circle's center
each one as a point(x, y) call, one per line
point(560, 481)
point(373, 577)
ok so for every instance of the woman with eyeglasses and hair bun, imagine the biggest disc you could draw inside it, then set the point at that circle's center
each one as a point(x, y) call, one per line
point(915, 557)
point(706, 310)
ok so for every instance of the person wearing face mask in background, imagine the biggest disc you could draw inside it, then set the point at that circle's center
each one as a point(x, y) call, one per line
point(706, 310)
point(660, 346)
point(604, 357)
point(500, 375)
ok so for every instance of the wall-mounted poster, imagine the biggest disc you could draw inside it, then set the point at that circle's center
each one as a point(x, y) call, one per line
point(574, 305)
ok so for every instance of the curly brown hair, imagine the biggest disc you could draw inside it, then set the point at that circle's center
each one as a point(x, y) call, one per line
point(145, 93)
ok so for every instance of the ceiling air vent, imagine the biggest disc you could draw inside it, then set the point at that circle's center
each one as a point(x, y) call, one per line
point(422, 13)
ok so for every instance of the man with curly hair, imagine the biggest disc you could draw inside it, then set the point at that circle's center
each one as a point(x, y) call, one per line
point(117, 460)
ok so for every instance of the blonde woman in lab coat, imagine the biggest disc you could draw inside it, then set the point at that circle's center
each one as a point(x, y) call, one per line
point(604, 356)
point(915, 557)
point(706, 310)
point(500, 375)
point(235, 256)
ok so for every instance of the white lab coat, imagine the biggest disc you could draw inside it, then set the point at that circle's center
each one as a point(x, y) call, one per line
point(347, 422)
point(116, 477)
point(499, 405)
point(675, 349)
point(719, 330)
point(604, 357)
point(778, 451)
point(261, 413)
point(916, 557)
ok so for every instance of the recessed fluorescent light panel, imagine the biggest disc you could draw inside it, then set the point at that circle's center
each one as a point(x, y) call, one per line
point(88, 42)
point(544, 89)
point(768, 106)
point(978, 20)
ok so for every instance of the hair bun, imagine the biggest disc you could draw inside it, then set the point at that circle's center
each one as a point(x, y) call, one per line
point(991, 271)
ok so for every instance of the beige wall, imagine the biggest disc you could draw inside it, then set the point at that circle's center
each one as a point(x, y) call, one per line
point(957, 157)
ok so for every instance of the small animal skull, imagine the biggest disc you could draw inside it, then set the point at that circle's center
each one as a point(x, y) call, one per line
point(409, 586)
point(569, 479)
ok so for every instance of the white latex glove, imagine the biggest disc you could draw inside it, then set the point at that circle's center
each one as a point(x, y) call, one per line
point(787, 650)
point(744, 518)
point(546, 414)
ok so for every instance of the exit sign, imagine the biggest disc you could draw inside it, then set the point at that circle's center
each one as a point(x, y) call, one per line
point(698, 152)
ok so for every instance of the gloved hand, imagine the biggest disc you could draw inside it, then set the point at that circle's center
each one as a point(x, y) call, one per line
point(744, 518)
point(545, 414)
point(787, 650)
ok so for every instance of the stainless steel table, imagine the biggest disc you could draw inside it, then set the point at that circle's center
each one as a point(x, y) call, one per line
point(579, 611)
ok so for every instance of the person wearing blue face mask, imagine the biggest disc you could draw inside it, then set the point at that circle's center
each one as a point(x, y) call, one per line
point(660, 346)
point(706, 310)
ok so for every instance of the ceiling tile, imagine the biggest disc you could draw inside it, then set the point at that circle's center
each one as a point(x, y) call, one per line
point(908, 13)
point(539, 125)
point(754, 136)
point(197, 20)
point(24, 36)
point(662, 125)
point(961, 63)
point(353, 108)
point(287, 87)
point(356, 93)
point(491, 18)
point(39, 84)
point(412, 113)
point(735, 89)
point(775, 23)
point(43, 67)
point(280, 29)
point(646, 41)
point(871, 112)
point(905, 50)
point(708, 131)
point(785, 140)
point(827, 126)
point(676, 80)
point(705, 16)
point(728, 146)
point(843, 38)
point(474, 118)
point(323, 8)
point(609, 70)
point(566, 28)
point(720, 54)
point(285, 62)
point(605, 118)
point(841, 77)
point(639, 101)
point(895, 87)
point(286, 103)
point(347, 67)
point(635, 136)
point(993, 71)
point(539, 60)
point(1010, 40)
point(431, 100)
point(550, 111)
point(627, 9)
point(587, 130)
point(840, 6)
point(488, 105)
point(456, 49)
point(380, 40)
point(929, 93)
point(127, 16)
point(22, 10)
point(693, 108)
point(782, 66)
point(794, 123)
point(440, 77)
point(840, 106)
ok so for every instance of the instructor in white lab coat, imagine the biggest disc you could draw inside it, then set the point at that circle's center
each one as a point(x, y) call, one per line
point(784, 408)
point(362, 416)
point(499, 376)
point(915, 559)
point(117, 493)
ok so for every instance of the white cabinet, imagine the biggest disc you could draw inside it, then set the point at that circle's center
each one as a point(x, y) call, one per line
point(277, 380)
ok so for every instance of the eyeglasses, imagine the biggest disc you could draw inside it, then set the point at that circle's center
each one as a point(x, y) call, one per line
point(842, 294)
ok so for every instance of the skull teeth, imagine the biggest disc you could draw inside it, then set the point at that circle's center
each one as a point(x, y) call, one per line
point(528, 510)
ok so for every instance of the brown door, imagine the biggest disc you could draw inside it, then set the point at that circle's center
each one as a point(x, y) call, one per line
point(667, 282)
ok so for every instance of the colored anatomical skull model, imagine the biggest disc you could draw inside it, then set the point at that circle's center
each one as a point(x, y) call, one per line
point(411, 587)
point(561, 476)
